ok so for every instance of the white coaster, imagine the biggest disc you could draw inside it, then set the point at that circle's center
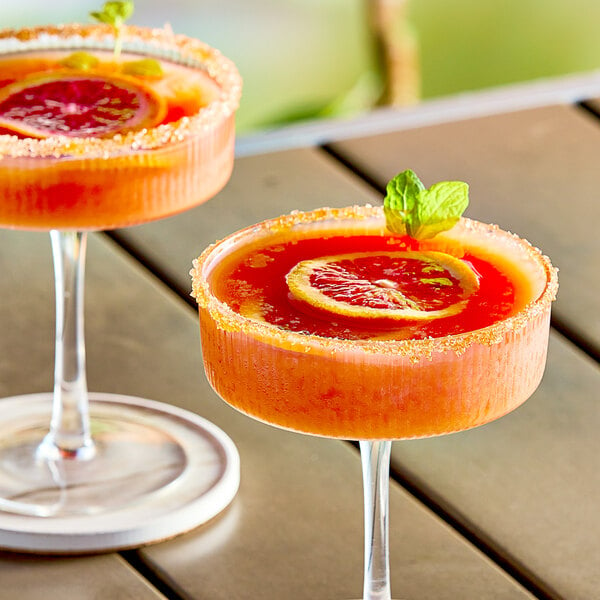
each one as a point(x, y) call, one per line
point(148, 498)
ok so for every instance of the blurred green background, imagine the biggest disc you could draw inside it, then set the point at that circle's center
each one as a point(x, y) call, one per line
point(311, 58)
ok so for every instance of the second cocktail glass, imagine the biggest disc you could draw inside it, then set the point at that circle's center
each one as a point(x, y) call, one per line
point(107, 141)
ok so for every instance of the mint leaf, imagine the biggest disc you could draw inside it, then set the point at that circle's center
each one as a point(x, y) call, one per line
point(399, 202)
point(439, 208)
point(422, 213)
point(115, 14)
point(146, 67)
point(102, 17)
point(80, 60)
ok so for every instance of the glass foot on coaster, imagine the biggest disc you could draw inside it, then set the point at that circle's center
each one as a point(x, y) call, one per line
point(155, 471)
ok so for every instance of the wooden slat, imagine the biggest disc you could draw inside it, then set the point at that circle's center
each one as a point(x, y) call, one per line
point(90, 578)
point(295, 529)
point(533, 172)
point(528, 484)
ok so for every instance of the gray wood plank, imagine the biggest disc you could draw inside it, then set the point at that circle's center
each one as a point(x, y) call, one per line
point(78, 578)
point(528, 484)
point(295, 529)
point(533, 172)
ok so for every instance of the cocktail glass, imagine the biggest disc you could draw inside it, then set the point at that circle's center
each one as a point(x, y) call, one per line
point(87, 472)
point(370, 390)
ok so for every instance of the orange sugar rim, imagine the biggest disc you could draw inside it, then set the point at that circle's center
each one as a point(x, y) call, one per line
point(229, 320)
point(57, 37)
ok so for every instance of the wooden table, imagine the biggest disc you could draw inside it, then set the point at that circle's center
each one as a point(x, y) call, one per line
point(506, 511)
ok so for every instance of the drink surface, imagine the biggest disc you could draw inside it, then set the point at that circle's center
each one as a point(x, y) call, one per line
point(180, 90)
point(88, 141)
point(310, 372)
point(254, 284)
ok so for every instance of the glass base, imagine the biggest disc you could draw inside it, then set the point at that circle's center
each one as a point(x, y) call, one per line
point(156, 471)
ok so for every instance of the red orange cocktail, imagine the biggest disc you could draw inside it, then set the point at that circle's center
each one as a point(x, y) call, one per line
point(91, 139)
point(376, 379)
point(108, 142)
point(329, 324)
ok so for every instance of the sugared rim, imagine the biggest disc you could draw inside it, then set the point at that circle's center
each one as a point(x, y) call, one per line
point(229, 320)
point(163, 42)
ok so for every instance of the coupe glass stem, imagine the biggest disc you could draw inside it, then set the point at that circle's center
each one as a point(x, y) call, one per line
point(69, 435)
point(375, 457)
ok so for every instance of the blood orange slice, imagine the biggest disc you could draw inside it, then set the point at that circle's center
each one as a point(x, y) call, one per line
point(384, 285)
point(78, 105)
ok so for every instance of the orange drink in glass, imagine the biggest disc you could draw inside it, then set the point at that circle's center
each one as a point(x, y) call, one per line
point(326, 323)
point(94, 139)
point(105, 143)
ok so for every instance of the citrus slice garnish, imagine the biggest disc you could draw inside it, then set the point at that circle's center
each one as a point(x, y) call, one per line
point(78, 105)
point(384, 285)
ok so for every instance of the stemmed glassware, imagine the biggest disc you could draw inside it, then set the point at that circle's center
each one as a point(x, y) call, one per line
point(86, 472)
point(277, 363)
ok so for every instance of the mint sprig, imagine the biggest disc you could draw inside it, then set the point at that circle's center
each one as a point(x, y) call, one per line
point(115, 14)
point(422, 213)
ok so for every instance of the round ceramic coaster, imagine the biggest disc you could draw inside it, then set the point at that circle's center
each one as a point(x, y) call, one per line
point(158, 471)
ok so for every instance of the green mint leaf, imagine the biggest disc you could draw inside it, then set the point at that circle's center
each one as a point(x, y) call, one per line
point(80, 60)
point(145, 67)
point(115, 14)
point(439, 208)
point(423, 213)
point(399, 202)
point(102, 17)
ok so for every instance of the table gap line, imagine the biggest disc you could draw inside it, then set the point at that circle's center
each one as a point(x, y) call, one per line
point(589, 108)
point(486, 545)
point(159, 581)
point(369, 179)
point(578, 339)
point(504, 560)
point(156, 578)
